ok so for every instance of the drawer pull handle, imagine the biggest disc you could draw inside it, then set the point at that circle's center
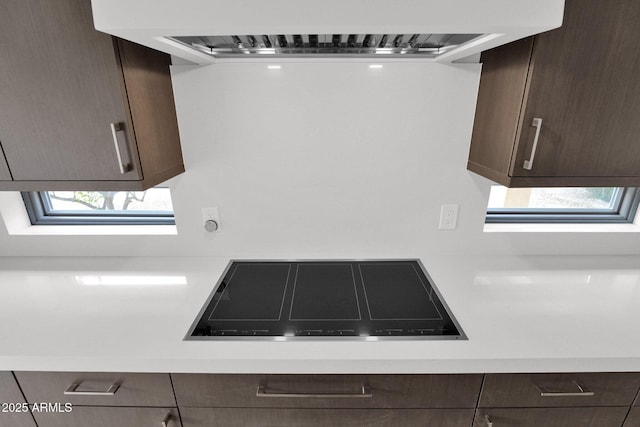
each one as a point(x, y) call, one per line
point(115, 128)
point(537, 123)
point(364, 392)
point(582, 391)
point(165, 422)
point(488, 421)
point(72, 389)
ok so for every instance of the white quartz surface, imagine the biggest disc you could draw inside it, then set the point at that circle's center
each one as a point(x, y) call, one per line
point(131, 314)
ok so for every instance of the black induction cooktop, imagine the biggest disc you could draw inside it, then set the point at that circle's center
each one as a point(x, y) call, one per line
point(367, 300)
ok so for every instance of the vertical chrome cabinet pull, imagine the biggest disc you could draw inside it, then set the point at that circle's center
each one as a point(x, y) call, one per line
point(537, 123)
point(72, 389)
point(165, 422)
point(582, 391)
point(115, 128)
point(488, 421)
point(263, 392)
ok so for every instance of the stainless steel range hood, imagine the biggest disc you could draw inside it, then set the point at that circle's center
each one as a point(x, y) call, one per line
point(203, 31)
point(325, 45)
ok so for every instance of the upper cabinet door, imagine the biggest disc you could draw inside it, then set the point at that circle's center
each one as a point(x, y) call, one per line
point(63, 115)
point(560, 109)
point(585, 86)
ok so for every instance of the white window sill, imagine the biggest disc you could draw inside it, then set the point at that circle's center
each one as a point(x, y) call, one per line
point(561, 228)
point(17, 222)
point(93, 230)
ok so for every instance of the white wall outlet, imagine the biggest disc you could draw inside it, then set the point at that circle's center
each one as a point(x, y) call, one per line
point(211, 214)
point(448, 217)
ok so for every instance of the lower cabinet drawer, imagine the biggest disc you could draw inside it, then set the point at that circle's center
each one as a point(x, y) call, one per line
point(260, 417)
point(327, 391)
point(551, 417)
point(104, 416)
point(98, 388)
point(559, 390)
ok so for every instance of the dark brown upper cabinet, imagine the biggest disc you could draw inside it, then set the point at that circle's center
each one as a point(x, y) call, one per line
point(562, 108)
point(81, 109)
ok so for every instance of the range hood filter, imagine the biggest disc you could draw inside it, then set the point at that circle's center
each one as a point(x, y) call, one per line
point(325, 45)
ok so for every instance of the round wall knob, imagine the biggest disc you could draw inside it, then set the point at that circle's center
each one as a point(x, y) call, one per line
point(210, 225)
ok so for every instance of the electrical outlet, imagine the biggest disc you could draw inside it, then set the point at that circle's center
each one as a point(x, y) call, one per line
point(211, 214)
point(448, 217)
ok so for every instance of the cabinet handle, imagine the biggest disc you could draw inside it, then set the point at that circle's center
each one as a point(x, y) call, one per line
point(582, 391)
point(72, 389)
point(488, 421)
point(537, 123)
point(115, 128)
point(364, 392)
point(165, 422)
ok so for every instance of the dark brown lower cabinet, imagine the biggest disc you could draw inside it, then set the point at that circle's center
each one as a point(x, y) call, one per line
point(98, 388)
point(326, 400)
point(633, 419)
point(327, 391)
point(105, 416)
point(551, 417)
point(12, 410)
point(544, 390)
point(103, 399)
point(280, 417)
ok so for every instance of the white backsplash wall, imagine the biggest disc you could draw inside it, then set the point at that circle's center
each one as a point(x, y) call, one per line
point(326, 160)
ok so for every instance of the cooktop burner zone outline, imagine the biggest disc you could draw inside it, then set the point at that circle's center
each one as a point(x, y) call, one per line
point(428, 316)
point(364, 286)
point(228, 285)
point(295, 282)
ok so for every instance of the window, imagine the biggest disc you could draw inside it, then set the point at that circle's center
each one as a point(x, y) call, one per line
point(100, 207)
point(562, 205)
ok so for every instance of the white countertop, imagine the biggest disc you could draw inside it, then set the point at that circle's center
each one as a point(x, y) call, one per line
point(521, 314)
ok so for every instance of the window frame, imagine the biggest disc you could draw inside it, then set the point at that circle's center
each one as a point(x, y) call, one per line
point(39, 210)
point(624, 211)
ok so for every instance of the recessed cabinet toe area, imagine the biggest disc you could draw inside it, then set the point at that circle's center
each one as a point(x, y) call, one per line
point(560, 108)
point(80, 108)
point(254, 400)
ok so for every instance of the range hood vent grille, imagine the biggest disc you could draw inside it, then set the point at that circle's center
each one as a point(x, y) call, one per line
point(324, 45)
